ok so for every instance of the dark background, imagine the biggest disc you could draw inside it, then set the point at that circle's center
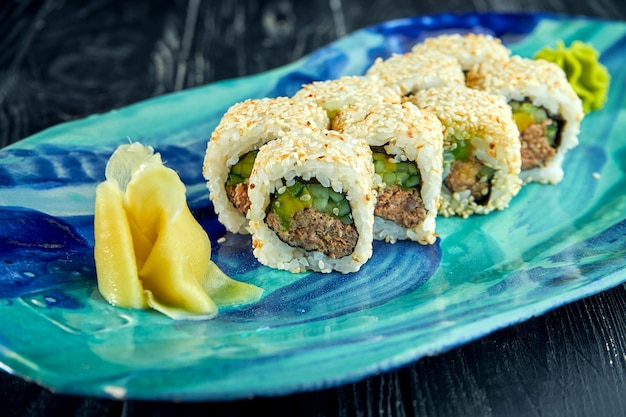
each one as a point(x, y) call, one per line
point(63, 60)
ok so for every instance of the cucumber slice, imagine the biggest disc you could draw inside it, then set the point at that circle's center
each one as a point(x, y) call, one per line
point(248, 163)
point(462, 151)
point(539, 114)
point(344, 208)
point(379, 167)
point(401, 178)
point(241, 171)
point(321, 204)
point(335, 196)
point(296, 189)
point(395, 173)
point(236, 169)
point(551, 131)
point(347, 219)
point(318, 191)
point(389, 178)
point(234, 179)
point(526, 107)
point(485, 172)
point(378, 156)
point(412, 181)
point(403, 167)
point(301, 195)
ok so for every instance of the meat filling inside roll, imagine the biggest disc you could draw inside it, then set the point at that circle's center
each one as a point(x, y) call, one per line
point(540, 133)
point(399, 200)
point(463, 171)
point(308, 215)
point(237, 183)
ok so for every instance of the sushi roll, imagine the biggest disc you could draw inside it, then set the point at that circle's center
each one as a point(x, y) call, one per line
point(332, 95)
point(481, 150)
point(468, 49)
point(234, 143)
point(545, 107)
point(411, 72)
point(312, 203)
point(407, 146)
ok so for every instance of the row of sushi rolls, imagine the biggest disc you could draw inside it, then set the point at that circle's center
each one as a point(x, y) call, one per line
point(455, 127)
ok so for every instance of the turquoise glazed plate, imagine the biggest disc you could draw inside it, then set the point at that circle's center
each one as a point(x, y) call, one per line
point(554, 245)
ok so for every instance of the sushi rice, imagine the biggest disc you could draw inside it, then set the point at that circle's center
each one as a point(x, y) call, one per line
point(407, 134)
point(248, 126)
point(334, 160)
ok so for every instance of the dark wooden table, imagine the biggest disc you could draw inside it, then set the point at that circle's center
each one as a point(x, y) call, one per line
point(63, 60)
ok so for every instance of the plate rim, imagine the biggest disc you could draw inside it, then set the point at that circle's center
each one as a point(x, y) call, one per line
point(389, 364)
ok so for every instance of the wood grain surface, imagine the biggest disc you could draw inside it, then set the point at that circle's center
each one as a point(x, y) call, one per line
point(63, 60)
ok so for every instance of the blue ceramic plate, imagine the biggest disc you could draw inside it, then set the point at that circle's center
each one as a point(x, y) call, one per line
point(554, 245)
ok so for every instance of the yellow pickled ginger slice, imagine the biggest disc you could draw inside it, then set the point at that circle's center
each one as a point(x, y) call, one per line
point(149, 249)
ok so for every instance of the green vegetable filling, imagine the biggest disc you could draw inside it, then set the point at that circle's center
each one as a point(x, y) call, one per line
point(287, 201)
point(462, 151)
point(525, 114)
point(485, 173)
point(459, 150)
point(464, 171)
point(404, 174)
point(240, 172)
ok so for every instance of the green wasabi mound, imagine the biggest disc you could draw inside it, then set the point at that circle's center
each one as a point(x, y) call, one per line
point(588, 77)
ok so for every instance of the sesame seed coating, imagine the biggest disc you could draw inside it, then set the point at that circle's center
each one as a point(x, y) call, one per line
point(544, 84)
point(520, 78)
point(468, 49)
point(247, 126)
point(282, 112)
point(469, 113)
point(485, 120)
point(335, 160)
point(412, 72)
point(332, 95)
point(407, 134)
point(449, 93)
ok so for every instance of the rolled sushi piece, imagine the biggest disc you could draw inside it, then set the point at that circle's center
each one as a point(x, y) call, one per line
point(407, 146)
point(481, 149)
point(545, 107)
point(412, 72)
point(332, 95)
point(234, 143)
point(312, 203)
point(468, 49)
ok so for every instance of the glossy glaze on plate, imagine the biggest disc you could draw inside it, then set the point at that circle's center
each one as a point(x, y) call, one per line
point(554, 245)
